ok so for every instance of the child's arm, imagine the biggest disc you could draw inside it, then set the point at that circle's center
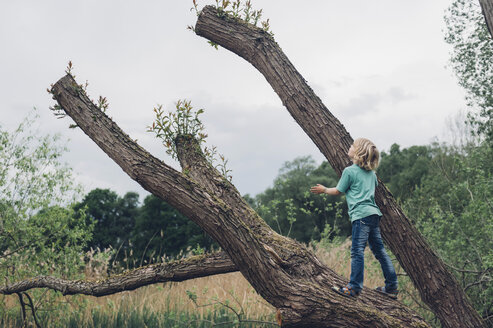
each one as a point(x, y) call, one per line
point(319, 189)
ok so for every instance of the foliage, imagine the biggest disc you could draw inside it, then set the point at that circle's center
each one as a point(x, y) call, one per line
point(453, 209)
point(212, 155)
point(38, 232)
point(136, 318)
point(163, 232)
point(458, 218)
point(137, 234)
point(290, 209)
point(237, 10)
point(472, 60)
point(402, 170)
point(113, 218)
point(34, 186)
point(185, 122)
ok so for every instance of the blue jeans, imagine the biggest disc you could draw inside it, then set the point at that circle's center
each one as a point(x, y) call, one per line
point(367, 230)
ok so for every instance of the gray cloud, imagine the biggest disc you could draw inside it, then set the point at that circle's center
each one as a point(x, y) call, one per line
point(363, 104)
point(397, 95)
point(369, 103)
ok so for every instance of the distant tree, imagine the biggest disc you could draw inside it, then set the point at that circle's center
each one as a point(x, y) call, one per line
point(472, 59)
point(249, 199)
point(38, 232)
point(161, 231)
point(452, 207)
point(402, 170)
point(290, 209)
point(113, 217)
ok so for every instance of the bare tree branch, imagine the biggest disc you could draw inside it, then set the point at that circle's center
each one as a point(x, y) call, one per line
point(23, 309)
point(179, 270)
point(33, 310)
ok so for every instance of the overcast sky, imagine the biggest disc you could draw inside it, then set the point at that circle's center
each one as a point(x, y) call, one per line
point(379, 66)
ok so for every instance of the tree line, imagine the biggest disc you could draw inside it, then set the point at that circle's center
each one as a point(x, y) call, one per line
point(139, 233)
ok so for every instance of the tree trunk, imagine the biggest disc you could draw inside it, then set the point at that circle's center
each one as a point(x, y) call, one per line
point(437, 286)
point(281, 270)
point(487, 9)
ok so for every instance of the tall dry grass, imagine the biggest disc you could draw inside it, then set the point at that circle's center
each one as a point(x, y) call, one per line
point(234, 289)
point(230, 291)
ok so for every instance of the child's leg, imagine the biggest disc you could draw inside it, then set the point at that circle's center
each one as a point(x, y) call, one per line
point(378, 249)
point(360, 233)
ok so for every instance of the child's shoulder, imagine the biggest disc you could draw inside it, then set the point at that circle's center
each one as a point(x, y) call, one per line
point(352, 168)
point(356, 169)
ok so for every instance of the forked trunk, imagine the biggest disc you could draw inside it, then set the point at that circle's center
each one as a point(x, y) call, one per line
point(437, 286)
point(281, 270)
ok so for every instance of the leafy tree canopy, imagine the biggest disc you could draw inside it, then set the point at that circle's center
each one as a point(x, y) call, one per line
point(472, 60)
point(39, 234)
point(161, 231)
point(452, 208)
point(402, 170)
point(113, 216)
point(290, 209)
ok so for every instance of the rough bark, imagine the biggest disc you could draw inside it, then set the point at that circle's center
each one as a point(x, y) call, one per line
point(487, 9)
point(179, 270)
point(437, 286)
point(280, 269)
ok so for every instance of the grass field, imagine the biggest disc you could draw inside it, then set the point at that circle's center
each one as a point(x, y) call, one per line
point(226, 300)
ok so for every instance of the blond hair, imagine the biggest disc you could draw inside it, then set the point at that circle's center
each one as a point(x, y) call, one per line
point(366, 154)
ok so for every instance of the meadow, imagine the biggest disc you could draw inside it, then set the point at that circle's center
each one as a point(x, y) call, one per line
point(225, 300)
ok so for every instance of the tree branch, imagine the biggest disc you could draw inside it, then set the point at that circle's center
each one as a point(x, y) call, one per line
point(23, 309)
point(33, 310)
point(179, 270)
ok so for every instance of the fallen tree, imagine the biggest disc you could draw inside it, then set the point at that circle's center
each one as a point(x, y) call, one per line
point(282, 271)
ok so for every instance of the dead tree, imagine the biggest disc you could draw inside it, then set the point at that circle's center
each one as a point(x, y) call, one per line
point(281, 270)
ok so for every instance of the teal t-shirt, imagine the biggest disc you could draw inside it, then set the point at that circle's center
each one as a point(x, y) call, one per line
point(359, 186)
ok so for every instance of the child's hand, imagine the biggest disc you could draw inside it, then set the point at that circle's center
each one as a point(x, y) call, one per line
point(318, 189)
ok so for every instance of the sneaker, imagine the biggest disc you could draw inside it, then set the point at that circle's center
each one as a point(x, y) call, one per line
point(346, 291)
point(389, 293)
